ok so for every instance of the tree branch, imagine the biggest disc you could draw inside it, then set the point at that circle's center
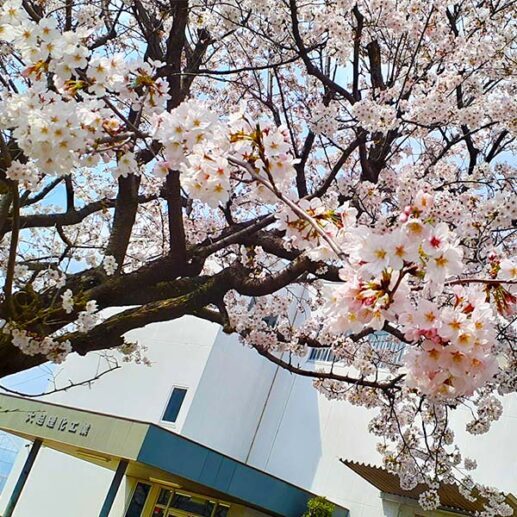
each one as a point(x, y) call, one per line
point(311, 68)
point(126, 206)
point(391, 385)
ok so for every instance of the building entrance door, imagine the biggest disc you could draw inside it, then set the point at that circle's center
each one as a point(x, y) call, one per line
point(176, 503)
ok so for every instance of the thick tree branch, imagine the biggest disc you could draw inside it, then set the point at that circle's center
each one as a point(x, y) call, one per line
point(358, 31)
point(69, 218)
point(301, 181)
point(109, 334)
point(126, 207)
point(374, 57)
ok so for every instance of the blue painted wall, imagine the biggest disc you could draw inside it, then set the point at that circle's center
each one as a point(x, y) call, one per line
point(190, 460)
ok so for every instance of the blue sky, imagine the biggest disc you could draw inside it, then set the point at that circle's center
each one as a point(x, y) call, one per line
point(32, 381)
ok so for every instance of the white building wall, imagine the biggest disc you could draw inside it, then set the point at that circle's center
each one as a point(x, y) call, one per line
point(302, 438)
point(178, 351)
point(495, 452)
point(62, 486)
point(230, 398)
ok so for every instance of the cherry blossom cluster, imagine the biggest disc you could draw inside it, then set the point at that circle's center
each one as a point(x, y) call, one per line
point(134, 352)
point(49, 130)
point(196, 142)
point(452, 351)
point(375, 117)
point(110, 265)
point(183, 129)
point(41, 44)
point(269, 151)
point(193, 141)
point(29, 344)
point(489, 409)
point(135, 82)
point(429, 500)
point(455, 357)
point(302, 232)
point(87, 318)
point(323, 121)
point(24, 173)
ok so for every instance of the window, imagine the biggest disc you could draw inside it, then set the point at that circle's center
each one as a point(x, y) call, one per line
point(380, 341)
point(192, 504)
point(322, 354)
point(138, 500)
point(172, 502)
point(221, 510)
point(174, 405)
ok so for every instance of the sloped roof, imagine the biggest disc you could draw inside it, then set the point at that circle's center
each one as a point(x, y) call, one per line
point(450, 495)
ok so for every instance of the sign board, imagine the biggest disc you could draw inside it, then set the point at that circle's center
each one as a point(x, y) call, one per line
point(60, 425)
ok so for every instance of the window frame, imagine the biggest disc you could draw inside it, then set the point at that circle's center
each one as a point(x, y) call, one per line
point(147, 497)
point(171, 391)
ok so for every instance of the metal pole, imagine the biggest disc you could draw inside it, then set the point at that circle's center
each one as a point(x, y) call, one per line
point(113, 489)
point(24, 474)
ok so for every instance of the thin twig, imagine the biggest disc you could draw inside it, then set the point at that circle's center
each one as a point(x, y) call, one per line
point(64, 388)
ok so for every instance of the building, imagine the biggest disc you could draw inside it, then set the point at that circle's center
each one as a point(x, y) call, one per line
point(211, 428)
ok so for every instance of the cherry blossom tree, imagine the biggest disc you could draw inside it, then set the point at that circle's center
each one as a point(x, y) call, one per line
point(233, 160)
